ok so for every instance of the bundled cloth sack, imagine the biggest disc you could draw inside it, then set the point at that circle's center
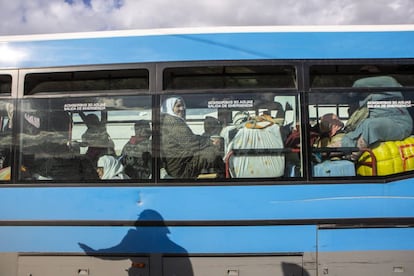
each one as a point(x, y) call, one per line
point(332, 168)
point(263, 134)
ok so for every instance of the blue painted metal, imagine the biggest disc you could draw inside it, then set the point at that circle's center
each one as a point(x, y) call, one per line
point(211, 202)
point(202, 203)
point(250, 239)
point(221, 46)
point(366, 239)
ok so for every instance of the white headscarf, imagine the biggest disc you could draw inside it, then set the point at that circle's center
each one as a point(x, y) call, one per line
point(169, 103)
point(112, 168)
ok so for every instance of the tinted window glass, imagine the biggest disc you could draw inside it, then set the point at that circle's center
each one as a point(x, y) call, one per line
point(6, 125)
point(345, 75)
point(82, 81)
point(362, 133)
point(5, 84)
point(220, 77)
point(64, 139)
point(232, 135)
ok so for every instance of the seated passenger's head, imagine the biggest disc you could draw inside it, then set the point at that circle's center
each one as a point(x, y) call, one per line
point(108, 167)
point(330, 124)
point(142, 128)
point(174, 106)
point(378, 81)
point(212, 126)
point(92, 120)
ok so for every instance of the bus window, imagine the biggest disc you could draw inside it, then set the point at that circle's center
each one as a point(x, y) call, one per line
point(5, 84)
point(364, 132)
point(81, 81)
point(63, 139)
point(344, 75)
point(221, 77)
point(231, 135)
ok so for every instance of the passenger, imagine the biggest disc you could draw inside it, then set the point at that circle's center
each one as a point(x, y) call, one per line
point(377, 124)
point(330, 127)
point(275, 110)
point(47, 154)
point(238, 121)
point(186, 154)
point(6, 138)
point(212, 127)
point(96, 138)
point(108, 167)
point(136, 154)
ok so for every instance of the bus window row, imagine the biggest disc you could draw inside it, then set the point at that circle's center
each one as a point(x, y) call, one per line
point(237, 135)
point(209, 136)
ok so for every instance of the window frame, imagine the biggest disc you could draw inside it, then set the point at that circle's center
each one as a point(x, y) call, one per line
point(309, 90)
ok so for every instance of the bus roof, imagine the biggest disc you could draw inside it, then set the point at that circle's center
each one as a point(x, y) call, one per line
point(214, 43)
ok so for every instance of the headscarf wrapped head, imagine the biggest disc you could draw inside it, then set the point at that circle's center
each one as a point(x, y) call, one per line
point(168, 106)
point(111, 166)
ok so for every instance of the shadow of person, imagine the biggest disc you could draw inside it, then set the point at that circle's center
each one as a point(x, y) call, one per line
point(150, 236)
point(292, 269)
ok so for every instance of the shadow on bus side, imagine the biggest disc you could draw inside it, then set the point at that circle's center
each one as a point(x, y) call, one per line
point(143, 239)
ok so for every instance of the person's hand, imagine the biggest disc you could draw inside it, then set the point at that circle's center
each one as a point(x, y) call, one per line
point(216, 140)
point(85, 247)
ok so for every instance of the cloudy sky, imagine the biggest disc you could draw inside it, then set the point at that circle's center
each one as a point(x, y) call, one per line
point(57, 16)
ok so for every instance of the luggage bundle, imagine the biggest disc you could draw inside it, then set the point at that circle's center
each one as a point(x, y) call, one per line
point(259, 134)
point(332, 168)
point(387, 158)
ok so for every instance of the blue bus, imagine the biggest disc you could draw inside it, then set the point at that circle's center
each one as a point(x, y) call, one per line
point(209, 151)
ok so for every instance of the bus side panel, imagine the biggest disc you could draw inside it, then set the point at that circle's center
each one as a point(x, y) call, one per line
point(366, 251)
point(209, 203)
point(233, 265)
point(240, 249)
point(8, 263)
point(150, 239)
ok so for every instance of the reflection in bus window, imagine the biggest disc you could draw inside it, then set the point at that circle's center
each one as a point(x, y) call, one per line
point(5, 84)
point(227, 77)
point(6, 125)
point(62, 139)
point(345, 75)
point(230, 136)
point(373, 138)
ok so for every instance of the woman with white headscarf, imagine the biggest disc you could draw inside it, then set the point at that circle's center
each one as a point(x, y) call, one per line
point(109, 167)
point(186, 155)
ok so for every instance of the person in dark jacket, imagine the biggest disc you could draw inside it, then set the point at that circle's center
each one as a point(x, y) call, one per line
point(186, 155)
point(136, 154)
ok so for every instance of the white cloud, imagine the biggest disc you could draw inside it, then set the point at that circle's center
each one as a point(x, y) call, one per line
point(11, 56)
point(46, 16)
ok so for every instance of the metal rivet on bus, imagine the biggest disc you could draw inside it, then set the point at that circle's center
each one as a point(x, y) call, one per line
point(398, 269)
point(232, 272)
point(83, 271)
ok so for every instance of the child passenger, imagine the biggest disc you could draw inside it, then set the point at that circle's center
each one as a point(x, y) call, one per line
point(109, 167)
